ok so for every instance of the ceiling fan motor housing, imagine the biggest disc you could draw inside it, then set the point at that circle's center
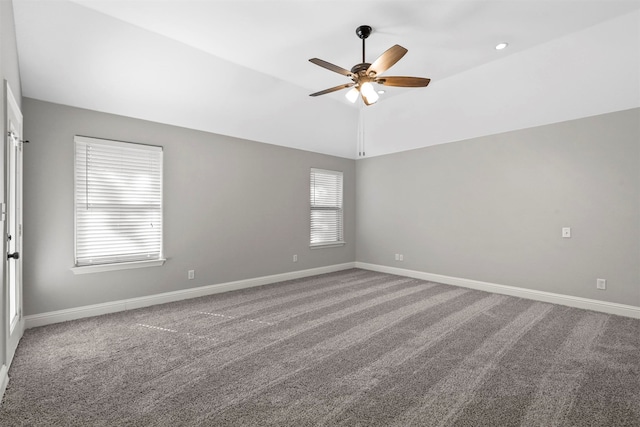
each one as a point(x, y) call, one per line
point(360, 69)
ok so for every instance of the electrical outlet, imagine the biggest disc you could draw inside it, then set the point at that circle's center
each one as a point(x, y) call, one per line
point(295, 258)
point(191, 274)
point(601, 284)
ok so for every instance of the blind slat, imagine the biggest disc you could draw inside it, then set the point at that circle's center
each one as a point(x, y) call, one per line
point(118, 199)
point(326, 207)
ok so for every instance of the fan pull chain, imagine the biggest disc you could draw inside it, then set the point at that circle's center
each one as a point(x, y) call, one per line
point(360, 136)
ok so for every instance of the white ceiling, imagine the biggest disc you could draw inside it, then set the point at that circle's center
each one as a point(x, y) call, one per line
point(240, 68)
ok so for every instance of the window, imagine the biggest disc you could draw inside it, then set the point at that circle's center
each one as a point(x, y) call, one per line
point(118, 202)
point(326, 208)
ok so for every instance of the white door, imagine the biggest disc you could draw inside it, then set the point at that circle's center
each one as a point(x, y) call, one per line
point(12, 216)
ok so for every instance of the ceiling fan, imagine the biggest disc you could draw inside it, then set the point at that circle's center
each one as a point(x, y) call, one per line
point(364, 74)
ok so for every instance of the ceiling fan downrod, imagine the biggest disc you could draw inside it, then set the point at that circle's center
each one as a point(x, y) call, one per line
point(363, 31)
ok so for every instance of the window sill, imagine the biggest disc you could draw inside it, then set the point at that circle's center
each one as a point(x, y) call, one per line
point(99, 268)
point(327, 245)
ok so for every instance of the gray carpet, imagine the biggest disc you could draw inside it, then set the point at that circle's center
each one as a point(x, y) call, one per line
point(353, 348)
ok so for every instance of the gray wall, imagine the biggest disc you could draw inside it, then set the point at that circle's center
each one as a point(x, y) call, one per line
point(492, 208)
point(233, 209)
point(488, 209)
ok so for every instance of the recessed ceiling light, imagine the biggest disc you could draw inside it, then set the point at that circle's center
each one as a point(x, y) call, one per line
point(380, 92)
point(501, 46)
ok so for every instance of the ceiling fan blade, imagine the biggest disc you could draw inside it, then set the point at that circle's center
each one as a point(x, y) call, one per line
point(330, 66)
point(387, 59)
point(403, 81)
point(333, 89)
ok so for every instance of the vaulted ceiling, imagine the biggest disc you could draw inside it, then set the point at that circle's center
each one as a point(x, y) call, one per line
point(241, 68)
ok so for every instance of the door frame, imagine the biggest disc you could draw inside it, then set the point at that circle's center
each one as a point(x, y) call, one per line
point(13, 123)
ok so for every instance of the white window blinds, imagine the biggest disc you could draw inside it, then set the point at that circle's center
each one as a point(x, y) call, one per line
point(118, 202)
point(326, 208)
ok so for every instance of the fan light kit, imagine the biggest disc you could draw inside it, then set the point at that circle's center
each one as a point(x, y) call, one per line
point(364, 74)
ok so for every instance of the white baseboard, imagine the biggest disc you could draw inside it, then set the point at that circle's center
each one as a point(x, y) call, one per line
point(571, 301)
point(4, 380)
point(48, 318)
point(42, 319)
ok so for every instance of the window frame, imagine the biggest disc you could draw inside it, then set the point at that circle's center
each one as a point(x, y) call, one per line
point(118, 264)
point(338, 209)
